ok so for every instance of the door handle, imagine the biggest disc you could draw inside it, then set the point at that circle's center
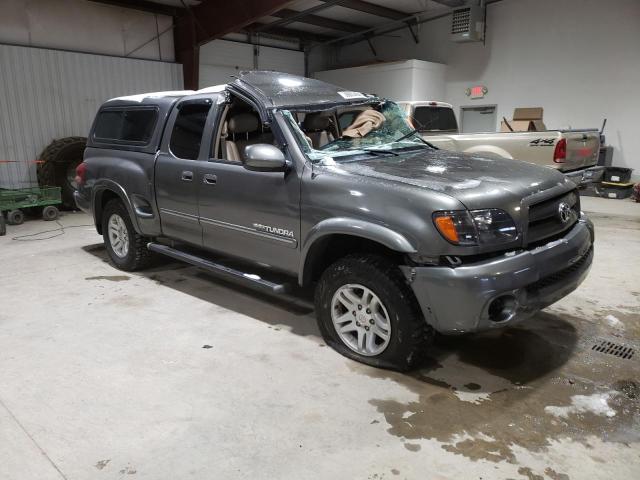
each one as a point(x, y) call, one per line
point(210, 179)
point(187, 176)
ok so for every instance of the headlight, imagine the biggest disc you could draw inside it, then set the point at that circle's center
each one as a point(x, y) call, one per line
point(488, 227)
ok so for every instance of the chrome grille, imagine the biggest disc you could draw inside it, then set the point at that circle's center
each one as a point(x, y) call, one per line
point(545, 219)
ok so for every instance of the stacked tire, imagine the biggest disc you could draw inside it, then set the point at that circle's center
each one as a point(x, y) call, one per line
point(57, 166)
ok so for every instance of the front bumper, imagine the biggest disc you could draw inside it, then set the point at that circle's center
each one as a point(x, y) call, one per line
point(459, 300)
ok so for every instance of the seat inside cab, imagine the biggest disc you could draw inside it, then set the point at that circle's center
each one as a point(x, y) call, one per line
point(241, 126)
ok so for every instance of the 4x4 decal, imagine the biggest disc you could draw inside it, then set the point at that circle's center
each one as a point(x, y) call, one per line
point(542, 142)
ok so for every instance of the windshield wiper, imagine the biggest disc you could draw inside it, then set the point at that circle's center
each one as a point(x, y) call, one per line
point(414, 132)
point(380, 151)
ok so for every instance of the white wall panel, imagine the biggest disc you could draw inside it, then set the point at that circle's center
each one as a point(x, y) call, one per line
point(402, 80)
point(221, 58)
point(579, 59)
point(48, 94)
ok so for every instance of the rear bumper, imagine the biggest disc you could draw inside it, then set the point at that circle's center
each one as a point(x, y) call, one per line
point(586, 175)
point(459, 300)
point(81, 202)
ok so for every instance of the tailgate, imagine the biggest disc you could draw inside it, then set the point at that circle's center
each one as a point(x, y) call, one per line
point(583, 148)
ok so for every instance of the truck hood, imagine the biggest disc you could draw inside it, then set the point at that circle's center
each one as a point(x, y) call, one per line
point(477, 182)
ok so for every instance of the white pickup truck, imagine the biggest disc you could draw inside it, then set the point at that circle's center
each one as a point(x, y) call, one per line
point(573, 152)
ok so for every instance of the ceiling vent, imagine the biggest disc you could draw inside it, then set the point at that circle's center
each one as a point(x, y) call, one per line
point(467, 24)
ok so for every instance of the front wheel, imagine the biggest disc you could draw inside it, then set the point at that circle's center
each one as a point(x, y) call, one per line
point(127, 249)
point(367, 312)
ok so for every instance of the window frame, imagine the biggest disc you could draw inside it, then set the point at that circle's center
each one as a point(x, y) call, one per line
point(196, 101)
point(125, 108)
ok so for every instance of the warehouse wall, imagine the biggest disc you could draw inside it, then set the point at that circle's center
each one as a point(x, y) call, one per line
point(81, 25)
point(48, 94)
point(220, 59)
point(579, 59)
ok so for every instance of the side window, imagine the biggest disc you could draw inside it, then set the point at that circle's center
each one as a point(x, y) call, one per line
point(188, 129)
point(124, 125)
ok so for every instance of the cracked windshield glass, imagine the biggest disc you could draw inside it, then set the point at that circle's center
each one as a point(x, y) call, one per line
point(346, 133)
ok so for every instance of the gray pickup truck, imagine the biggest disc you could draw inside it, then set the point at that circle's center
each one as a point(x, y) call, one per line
point(281, 182)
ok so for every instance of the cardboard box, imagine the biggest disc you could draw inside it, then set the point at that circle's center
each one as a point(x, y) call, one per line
point(528, 113)
point(523, 126)
point(525, 119)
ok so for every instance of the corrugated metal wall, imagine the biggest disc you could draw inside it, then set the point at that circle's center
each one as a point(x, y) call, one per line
point(48, 94)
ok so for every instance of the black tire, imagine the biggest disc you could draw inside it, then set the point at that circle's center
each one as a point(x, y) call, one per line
point(410, 334)
point(138, 256)
point(50, 213)
point(57, 164)
point(15, 217)
point(3, 225)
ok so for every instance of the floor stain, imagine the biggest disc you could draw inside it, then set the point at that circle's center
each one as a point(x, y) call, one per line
point(395, 471)
point(102, 463)
point(542, 362)
point(527, 472)
point(553, 475)
point(128, 470)
point(412, 447)
point(111, 278)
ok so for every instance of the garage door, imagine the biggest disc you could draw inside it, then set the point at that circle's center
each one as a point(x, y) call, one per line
point(221, 59)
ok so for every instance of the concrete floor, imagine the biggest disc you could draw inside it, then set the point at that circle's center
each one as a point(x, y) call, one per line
point(169, 374)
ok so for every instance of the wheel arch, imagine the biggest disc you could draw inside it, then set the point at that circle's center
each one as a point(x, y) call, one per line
point(333, 238)
point(490, 150)
point(106, 191)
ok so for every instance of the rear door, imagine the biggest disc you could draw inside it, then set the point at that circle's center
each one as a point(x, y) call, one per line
point(582, 149)
point(176, 174)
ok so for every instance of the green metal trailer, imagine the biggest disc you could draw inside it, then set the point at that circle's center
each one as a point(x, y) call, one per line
point(14, 202)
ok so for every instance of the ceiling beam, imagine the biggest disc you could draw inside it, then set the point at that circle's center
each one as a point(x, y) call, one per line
point(211, 19)
point(372, 9)
point(215, 19)
point(257, 28)
point(291, 16)
point(142, 5)
point(451, 3)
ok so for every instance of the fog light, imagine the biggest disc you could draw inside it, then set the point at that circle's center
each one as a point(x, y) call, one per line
point(503, 308)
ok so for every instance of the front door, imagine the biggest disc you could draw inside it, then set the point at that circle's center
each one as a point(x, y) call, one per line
point(250, 215)
point(176, 173)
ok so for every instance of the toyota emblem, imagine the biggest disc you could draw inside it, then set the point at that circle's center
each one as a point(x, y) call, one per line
point(564, 212)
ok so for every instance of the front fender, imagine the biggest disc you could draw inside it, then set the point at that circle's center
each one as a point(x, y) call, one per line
point(357, 228)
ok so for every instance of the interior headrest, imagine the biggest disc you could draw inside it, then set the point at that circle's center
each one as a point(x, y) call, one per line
point(243, 123)
point(316, 121)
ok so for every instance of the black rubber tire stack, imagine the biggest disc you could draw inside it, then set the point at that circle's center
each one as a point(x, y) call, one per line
point(55, 161)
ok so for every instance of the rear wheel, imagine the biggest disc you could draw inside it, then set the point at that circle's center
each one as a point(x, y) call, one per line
point(3, 225)
point(367, 312)
point(50, 213)
point(15, 217)
point(127, 249)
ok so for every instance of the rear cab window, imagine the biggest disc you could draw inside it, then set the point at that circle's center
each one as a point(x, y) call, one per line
point(125, 125)
point(434, 118)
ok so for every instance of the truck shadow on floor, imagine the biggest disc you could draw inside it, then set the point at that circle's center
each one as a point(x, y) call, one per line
point(519, 354)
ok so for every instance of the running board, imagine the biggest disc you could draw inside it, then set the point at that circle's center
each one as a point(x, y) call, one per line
point(222, 271)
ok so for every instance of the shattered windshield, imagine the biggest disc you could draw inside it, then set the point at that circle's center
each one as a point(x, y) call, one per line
point(340, 134)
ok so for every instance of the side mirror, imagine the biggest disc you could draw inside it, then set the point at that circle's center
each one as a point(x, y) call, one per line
point(263, 157)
